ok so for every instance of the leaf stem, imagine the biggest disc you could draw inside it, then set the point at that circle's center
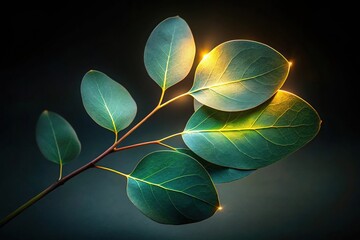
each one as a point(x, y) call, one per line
point(157, 108)
point(61, 170)
point(170, 136)
point(159, 142)
point(174, 99)
point(162, 95)
point(112, 170)
point(136, 145)
point(116, 136)
point(168, 146)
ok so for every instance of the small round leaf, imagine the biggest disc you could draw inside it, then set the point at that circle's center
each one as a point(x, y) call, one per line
point(107, 102)
point(56, 138)
point(169, 52)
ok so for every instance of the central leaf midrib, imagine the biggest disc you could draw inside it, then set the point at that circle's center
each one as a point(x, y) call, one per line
point(236, 81)
point(107, 108)
point(169, 189)
point(168, 59)
point(244, 129)
point(55, 139)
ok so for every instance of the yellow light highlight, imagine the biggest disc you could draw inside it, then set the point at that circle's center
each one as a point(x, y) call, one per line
point(220, 208)
point(290, 63)
point(204, 55)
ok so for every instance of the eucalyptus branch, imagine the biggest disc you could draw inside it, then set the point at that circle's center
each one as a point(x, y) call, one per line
point(223, 135)
point(159, 142)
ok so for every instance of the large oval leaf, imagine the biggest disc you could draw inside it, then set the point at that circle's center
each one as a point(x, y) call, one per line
point(169, 52)
point(219, 174)
point(172, 188)
point(253, 138)
point(239, 75)
point(107, 102)
point(56, 138)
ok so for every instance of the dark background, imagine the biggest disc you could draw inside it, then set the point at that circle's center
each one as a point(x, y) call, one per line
point(46, 49)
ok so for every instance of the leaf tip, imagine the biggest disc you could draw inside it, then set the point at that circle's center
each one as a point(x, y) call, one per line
point(91, 71)
point(220, 208)
point(45, 112)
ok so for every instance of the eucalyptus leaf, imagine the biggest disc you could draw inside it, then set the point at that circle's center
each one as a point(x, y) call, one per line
point(239, 75)
point(107, 102)
point(172, 188)
point(56, 138)
point(219, 174)
point(169, 52)
point(254, 138)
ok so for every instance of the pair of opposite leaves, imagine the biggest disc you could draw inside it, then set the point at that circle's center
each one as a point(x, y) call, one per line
point(246, 123)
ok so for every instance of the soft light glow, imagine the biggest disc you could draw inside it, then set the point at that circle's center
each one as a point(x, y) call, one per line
point(204, 55)
point(290, 63)
point(220, 208)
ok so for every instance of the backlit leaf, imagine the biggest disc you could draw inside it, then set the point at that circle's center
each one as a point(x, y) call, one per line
point(239, 75)
point(107, 102)
point(169, 52)
point(254, 138)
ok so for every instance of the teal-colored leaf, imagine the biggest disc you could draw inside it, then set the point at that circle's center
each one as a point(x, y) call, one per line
point(107, 102)
point(197, 105)
point(239, 75)
point(172, 188)
point(169, 52)
point(219, 174)
point(56, 138)
point(254, 138)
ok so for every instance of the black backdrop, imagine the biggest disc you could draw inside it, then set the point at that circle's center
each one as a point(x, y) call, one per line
point(46, 49)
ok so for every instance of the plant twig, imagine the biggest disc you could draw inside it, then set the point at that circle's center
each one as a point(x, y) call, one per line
point(90, 164)
point(136, 145)
point(112, 170)
point(54, 186)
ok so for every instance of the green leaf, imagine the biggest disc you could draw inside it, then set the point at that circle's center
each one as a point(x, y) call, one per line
point(197, 105)
point(219, 174)
point(254, 138)
point(172, 188)
point(56, 138)
point(169, 52)
point(239, 75)
point(107, 102)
